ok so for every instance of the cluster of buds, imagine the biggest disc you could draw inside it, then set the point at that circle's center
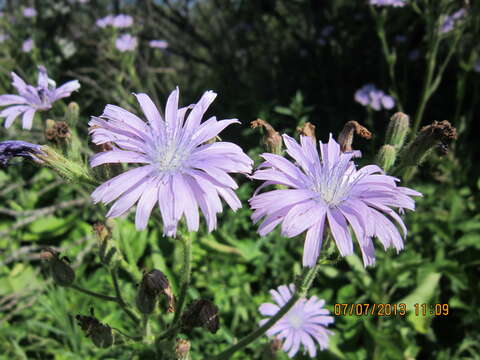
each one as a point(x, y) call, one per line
point(154, 283)
point(397, 131)
point(62, 272)
point(201, 313)
point(100, 334)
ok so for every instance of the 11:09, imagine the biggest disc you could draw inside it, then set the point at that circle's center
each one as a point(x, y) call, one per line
point(433, 309)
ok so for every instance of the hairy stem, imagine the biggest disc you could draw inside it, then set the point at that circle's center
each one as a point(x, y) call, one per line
point(119, 298)
point(187, 267)
point(94, 294)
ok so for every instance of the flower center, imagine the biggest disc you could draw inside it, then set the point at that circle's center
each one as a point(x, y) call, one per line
point(296, 321)
point(170, 157)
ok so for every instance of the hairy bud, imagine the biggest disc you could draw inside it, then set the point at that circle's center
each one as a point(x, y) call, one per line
point(182, 349)
point(397, 130)
point(386, 157)
point(100, 334)
point(201, 313)
point(72, 114)
point(345, 139)
point(61, 271)
point(272, 139)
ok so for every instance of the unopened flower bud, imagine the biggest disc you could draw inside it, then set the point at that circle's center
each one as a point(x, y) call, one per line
point(100, 334)
point(345, 139)
point(307, 130)
point(272, 140)
point(72, 113)
point(201, 313)
point(271, 349)
point(397, 130)
point(386, 157)
point(62, 272)
point(154, 283)
point(182, 349)
point(67, 169)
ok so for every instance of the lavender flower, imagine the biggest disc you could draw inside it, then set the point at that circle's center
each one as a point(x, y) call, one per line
point(158, 44)
point(3, 37)
point(31, 99)
point(370, 96)
point(122, 21)
point(181, 171)
point(105, 21)
point(394, 3)
point(306, 321)
point(27, 45)
point(330, 189)
point(126, 42)
point(29, 12)
point(12, 148)
point(476, 67)
point(450, 21)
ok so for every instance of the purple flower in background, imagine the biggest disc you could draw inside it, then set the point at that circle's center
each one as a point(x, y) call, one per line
point(181, 172)
point(122, 21)
point(305, 322)
point(12, 148)
point(158, 44)
point(3, 37)
point(476, 67)
point(400, 39)
point(450, 21)
point(369, 95)
point(32, 99)
point(330, 191)
point(29, 12)
point(105, 21)
point(27, 45)
point(394, 3)
point(126, 42)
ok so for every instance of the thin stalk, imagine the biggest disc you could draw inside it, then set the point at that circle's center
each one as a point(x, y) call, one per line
point(187, 267)
point(92, 293)
point(305, 282)
point(119, 298)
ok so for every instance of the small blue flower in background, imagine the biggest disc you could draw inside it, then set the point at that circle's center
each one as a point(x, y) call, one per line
point(369, 95)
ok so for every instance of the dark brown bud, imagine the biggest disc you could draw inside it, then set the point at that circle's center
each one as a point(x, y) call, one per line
point(201, 313)
point(307, 130)
point(57, 132)
point(154, 283)
point(345, 139)
point(61, 271)
point(271, 349)
point(100, 334)
point(272, 140)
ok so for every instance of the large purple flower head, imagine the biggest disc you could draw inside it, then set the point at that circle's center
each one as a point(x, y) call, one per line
point(305, 322)
point(330, 191)
point(31, 99)
point(181, 172)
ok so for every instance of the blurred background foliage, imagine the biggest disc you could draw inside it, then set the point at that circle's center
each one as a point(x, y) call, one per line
point(285, 61)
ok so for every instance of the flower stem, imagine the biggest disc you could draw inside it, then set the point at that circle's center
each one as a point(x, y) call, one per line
point(187, 267)
point(302, 287)
point(119, 298)
point(92, 293)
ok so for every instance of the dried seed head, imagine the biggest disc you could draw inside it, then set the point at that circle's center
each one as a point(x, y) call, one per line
point(154, 283)
point(61, 271)
point(201, 313)
point(100, 334)
point(307, 130)
point(397, 130)
point(386, 157)
point(272, 140)
point(345, 139)
point(57, 132)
